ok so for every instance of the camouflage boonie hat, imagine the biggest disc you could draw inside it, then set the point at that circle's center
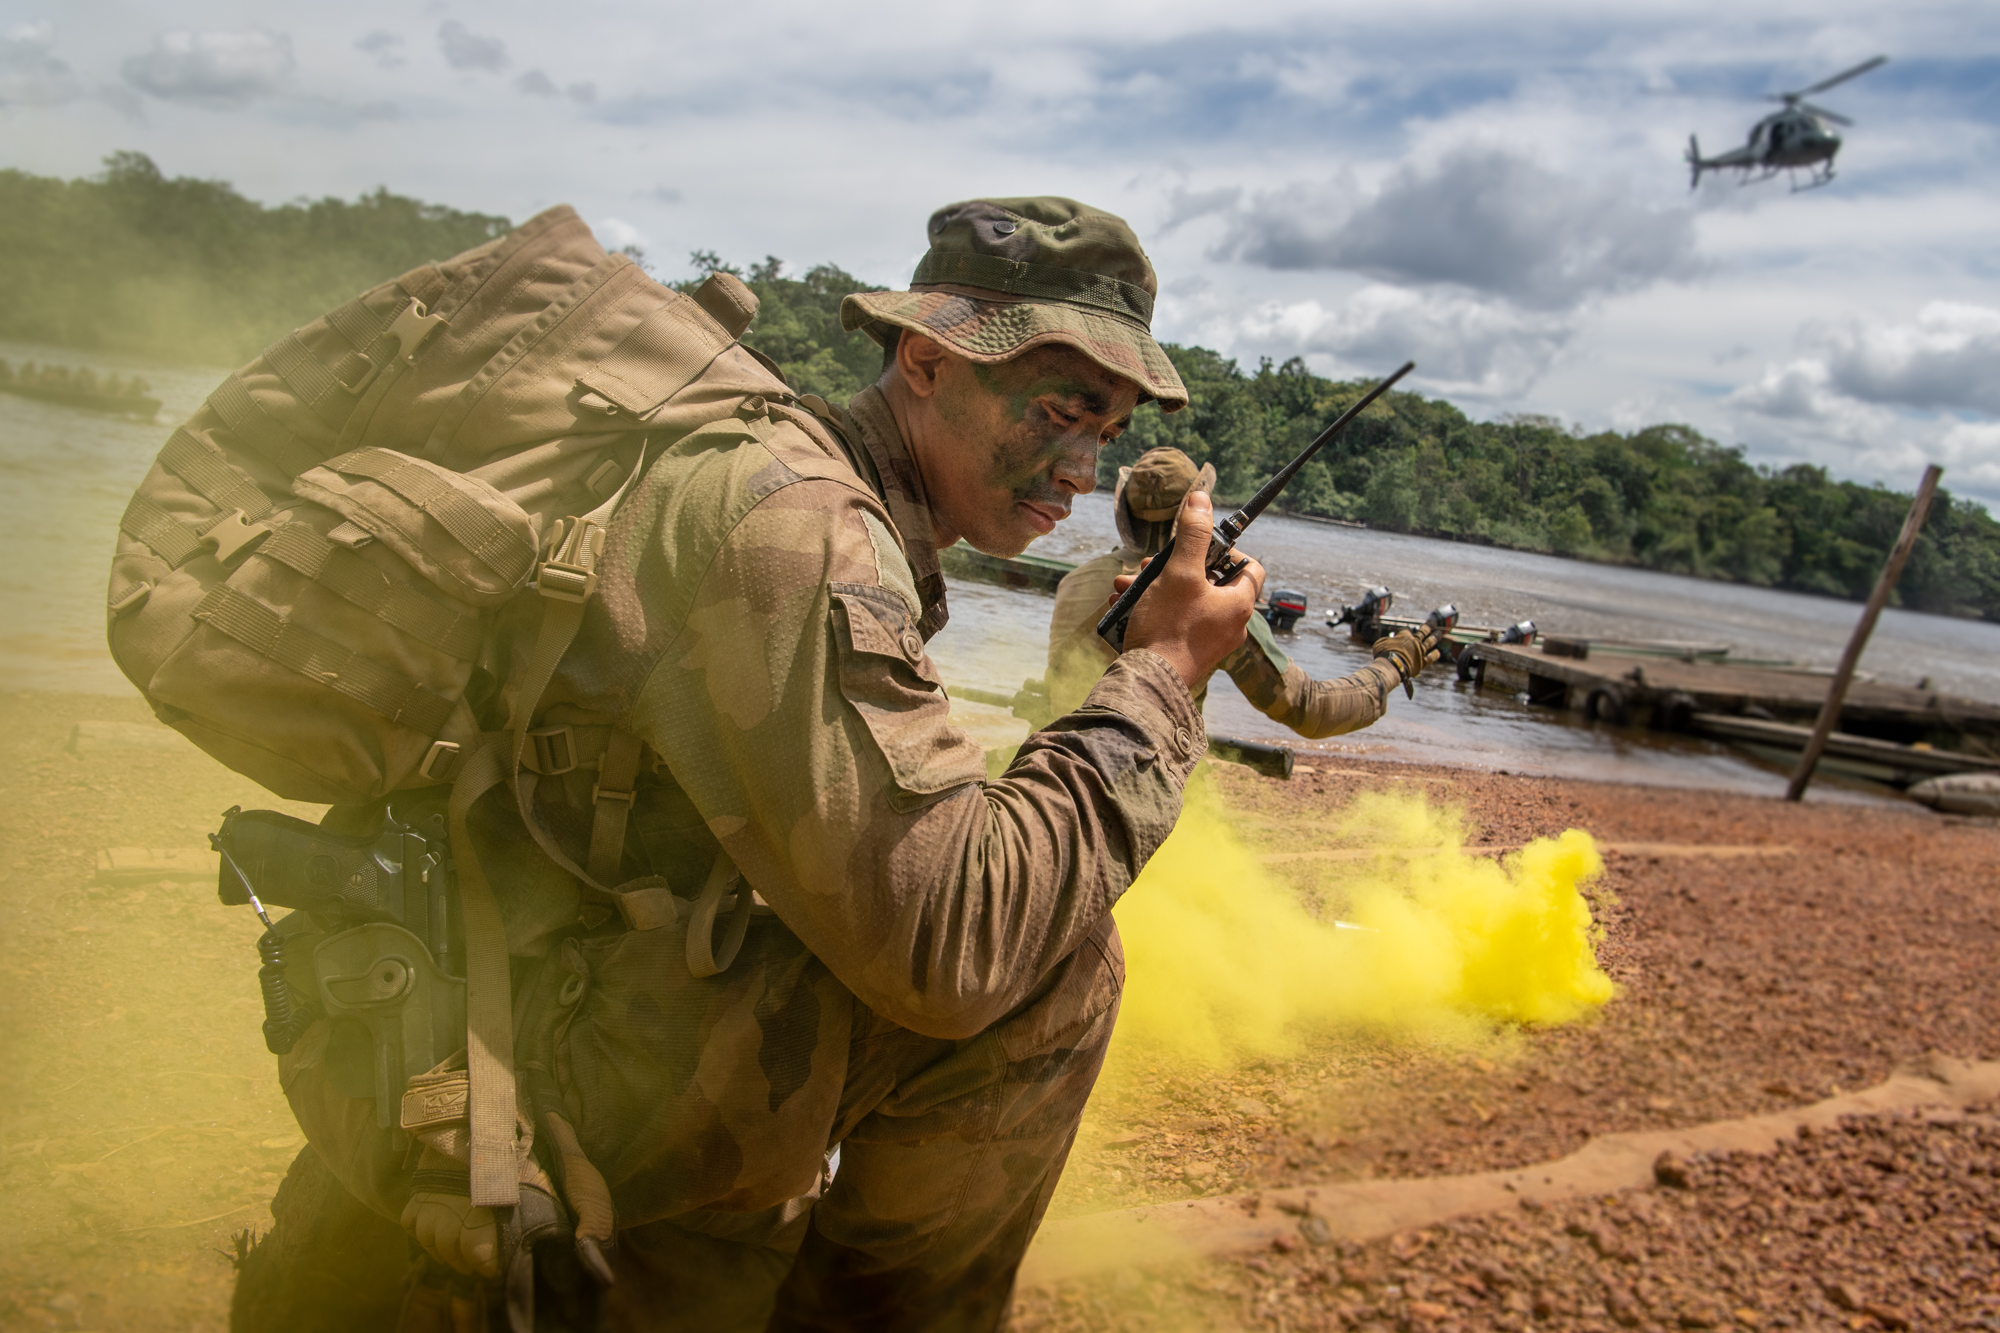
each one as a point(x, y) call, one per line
point(1149, 494)
point(1006, 275)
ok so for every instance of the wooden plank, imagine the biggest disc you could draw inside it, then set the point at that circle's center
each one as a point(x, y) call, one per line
point(1723, 687)
point(1906, 757)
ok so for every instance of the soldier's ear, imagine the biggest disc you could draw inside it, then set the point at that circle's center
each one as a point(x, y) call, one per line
point(920, 361)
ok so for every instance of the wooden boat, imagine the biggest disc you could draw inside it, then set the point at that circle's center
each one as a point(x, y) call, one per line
point(1021, 571)
point(63, 395)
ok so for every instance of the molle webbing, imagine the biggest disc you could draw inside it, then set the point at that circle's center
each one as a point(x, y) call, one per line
point(293, 362)
point(358, 324)
point(170, 538)
point(447, 629)
point(472, 527)
point(262, 432)
point(203, 467)
point(390, 693)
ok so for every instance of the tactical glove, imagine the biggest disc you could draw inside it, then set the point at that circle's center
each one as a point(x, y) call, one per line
point(1409, 649)
point(453, 1232)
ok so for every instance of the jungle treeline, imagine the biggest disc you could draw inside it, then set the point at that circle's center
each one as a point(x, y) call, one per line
point(190, 270)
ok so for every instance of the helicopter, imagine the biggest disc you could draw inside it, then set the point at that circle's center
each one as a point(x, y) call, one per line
point(1787, 140)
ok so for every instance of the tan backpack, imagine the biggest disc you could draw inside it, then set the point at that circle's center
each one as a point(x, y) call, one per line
point(308, 581)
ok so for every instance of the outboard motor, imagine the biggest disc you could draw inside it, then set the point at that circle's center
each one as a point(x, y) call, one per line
point(1283, 609)
point(1442, 622)
point(1365, 615)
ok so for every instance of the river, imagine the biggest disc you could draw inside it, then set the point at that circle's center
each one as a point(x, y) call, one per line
point(65, 477)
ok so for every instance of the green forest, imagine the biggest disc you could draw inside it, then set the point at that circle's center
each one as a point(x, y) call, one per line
point(190, 270)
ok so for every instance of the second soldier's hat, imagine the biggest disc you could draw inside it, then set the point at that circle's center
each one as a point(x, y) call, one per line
point(1006, 275)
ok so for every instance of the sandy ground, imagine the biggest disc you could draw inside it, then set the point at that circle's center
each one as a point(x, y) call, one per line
point(141, 1127)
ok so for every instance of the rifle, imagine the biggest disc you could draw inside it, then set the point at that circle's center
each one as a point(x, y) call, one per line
point(1221, 564)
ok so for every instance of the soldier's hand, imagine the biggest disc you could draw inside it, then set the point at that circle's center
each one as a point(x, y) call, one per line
point(1185, 618)
point(1411, 650)
point(453, 1232)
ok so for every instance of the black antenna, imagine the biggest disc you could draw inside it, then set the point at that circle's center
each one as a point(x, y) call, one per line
point(1232, 527)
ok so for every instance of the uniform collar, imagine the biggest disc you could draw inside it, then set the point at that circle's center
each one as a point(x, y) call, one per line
point(901, 487)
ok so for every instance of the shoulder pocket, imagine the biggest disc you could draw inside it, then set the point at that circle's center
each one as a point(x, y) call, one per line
point(894, 686)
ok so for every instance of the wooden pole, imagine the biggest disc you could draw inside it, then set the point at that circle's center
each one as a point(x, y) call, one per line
point(1843, 675)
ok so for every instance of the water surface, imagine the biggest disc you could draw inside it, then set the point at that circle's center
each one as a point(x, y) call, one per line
point(65, 477)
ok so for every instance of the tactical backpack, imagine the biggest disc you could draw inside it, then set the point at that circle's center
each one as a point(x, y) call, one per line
point(313, 581)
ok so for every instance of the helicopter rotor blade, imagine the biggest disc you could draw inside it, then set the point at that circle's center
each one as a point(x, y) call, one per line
point(1824, 114)
point(1843, 77)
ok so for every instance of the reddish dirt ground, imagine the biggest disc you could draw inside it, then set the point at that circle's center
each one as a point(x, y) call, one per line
point(1748, 983)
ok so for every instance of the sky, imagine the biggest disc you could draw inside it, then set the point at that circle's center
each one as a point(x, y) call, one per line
point(1496, 191)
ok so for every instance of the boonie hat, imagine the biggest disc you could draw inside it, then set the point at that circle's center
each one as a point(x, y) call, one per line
point(1150, 492)
point(1003, 276)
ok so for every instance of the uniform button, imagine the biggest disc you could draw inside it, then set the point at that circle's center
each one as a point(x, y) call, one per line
point(913, 645)
point(1182, 740)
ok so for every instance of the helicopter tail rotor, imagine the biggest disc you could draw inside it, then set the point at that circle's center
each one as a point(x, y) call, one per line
point(1694, 161)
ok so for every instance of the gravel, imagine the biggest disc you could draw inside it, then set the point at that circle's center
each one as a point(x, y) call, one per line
point(1747, 984)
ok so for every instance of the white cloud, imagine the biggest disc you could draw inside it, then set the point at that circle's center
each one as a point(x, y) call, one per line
point(1794, 392)
point(1482, 218)
point(1948, 359)
point(30, 75)
point(465, 49)
point(217, 69)
point(1461, 344)
point(616, 233)
point(384, 46)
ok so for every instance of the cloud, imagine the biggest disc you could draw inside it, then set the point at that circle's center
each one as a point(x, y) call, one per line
point(29, 74)
point(1185, 205)
point(465, 49)
point(217, 69)
point(1460, 343)
point(538, 84)
point(1482, 218)
point(1944, 361)
point(1948, 360)
point(386, 47)
point(618, 233)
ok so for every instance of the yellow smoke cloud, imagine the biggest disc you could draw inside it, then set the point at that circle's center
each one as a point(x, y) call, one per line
point(1227, 961)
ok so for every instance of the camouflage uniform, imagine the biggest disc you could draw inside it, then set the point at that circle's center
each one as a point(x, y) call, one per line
point(1275, 685)
point(931, 974)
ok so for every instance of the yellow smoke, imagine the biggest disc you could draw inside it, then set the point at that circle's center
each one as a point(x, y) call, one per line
point(1226, 960)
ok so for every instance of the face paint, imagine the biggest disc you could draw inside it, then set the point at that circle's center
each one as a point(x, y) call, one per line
point(1027, 433)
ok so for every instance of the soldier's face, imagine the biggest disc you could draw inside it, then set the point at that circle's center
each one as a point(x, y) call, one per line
point(1021, 442)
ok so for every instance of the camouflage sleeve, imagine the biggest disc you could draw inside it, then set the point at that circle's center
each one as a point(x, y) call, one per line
point(1281, 690)
point(1077, 657)
point(801, 714)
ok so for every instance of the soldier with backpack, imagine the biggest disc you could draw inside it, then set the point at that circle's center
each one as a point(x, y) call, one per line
point(665, 960)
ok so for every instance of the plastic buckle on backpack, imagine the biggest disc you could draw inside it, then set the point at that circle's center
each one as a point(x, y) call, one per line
point(551, 751)
point(439, 760)
point(232, 536)
point(570, 572)
point(411, 328)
